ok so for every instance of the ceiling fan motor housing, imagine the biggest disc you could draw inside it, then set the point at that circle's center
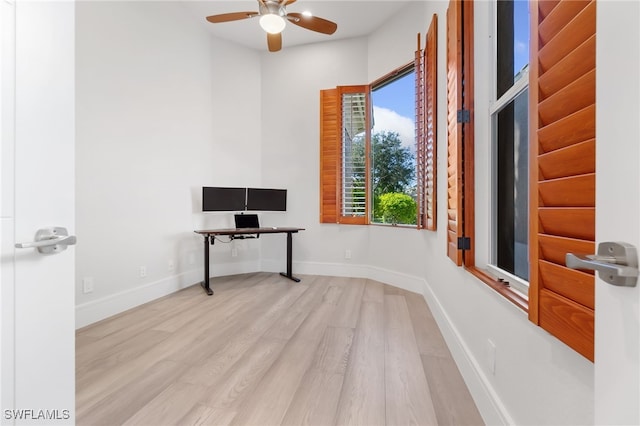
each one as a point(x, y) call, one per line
point(271, 7)
point(273, 18)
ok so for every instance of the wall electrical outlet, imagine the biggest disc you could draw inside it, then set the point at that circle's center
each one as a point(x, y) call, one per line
point(87, 285)
point(347, 254)
point(234, 252)
point(171, 266)
point(143, 271)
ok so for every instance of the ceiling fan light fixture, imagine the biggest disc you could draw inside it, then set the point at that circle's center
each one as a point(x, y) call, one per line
point(273, 18)
point(272, 23)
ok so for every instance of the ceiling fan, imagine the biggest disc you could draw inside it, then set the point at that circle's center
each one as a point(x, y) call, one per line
point(273, 18)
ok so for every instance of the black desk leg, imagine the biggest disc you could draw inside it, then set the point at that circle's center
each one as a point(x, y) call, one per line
point(205, 283)
point(289, 260)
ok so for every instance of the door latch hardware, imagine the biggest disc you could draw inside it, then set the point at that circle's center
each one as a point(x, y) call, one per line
point(50, 240)
point(616, 263)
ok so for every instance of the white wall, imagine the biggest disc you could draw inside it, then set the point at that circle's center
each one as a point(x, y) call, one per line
point(157, 115)
point(162, 110)
point(537, 379)
point(394, 44)
point(290, 151)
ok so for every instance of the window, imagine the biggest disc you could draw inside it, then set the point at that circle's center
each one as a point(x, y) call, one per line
point(377, 154)
point(503, 188)
point(510, 135)
point(393, 150)
point(558, 89)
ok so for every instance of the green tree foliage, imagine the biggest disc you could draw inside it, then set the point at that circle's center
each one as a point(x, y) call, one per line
point(393, 166)
point(392, 177)
point(397, 207)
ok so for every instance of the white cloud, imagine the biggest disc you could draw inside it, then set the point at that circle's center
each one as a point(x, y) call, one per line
point(521, 47)
point(390, 121)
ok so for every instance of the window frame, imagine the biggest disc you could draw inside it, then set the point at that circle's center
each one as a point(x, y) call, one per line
point(385, 80)
point(497, 104)
point(460, 61)
point(562, 145)
point(331, 141)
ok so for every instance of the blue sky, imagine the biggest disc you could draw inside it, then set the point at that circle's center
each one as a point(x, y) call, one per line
point(397, 96)
point(394, 109)
point(521, 34)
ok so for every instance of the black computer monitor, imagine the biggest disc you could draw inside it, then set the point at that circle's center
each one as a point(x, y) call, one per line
point(263, 199)
point(219, 199)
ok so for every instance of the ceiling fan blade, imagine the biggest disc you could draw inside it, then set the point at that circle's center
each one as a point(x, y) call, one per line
point(313, 23)
point(235, 16)
point(274, 41)
point(287, 2)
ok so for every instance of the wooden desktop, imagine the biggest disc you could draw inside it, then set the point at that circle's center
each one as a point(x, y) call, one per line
point(209, 238)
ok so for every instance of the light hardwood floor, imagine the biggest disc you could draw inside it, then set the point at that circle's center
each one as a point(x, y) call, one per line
point(267, 351)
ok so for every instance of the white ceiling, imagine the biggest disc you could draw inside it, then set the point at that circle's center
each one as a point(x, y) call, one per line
point(355, 18)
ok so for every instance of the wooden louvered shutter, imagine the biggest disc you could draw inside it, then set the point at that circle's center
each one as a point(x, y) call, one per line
point(562, 122)
point(459, 129)
point(329, 155)
point(421, 165)
point(454, 130)
point(426, 126)
point(431, 121)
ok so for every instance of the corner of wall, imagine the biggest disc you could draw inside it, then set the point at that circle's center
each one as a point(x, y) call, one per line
point(97, 310)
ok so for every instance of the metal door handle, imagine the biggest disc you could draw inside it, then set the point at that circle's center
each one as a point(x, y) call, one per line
point(616, 263)
point(50, 240)
point(68, 240)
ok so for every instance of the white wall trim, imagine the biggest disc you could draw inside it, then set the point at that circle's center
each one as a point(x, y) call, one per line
point(386, 276)
point(96, 310)
point(488, 401)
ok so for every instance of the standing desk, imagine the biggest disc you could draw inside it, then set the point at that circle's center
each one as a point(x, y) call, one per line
point(209, 238)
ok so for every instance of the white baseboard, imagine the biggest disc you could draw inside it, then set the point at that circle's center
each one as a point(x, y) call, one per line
point(487, 400)
point(386, 276)
point(96, 310)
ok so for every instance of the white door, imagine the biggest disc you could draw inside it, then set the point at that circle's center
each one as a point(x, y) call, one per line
point(38, 131)
point(7, 119)
point(617, 335)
